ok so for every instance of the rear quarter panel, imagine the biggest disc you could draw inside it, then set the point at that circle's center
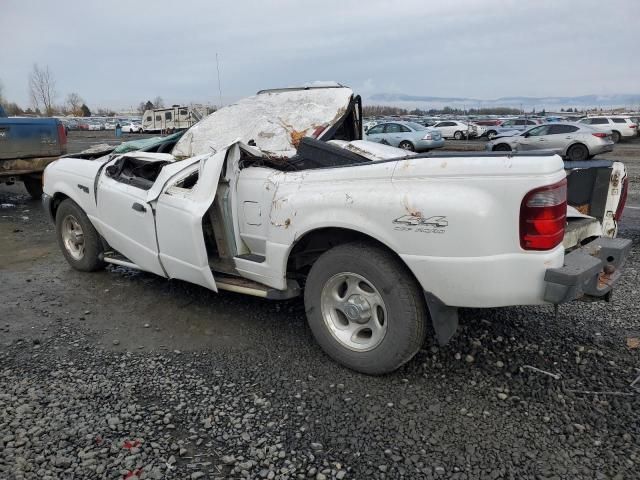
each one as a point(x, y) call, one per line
point(453, 220)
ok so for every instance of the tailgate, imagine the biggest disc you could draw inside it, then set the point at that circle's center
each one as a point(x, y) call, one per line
point(596, 188)
point(29, 137)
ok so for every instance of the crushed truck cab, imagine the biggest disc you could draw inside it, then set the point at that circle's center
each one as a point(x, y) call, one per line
point(279, 196)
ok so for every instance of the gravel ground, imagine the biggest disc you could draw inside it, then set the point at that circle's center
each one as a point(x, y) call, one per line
point(123, 375)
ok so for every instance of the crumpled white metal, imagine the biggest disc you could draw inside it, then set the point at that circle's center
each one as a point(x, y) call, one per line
point(275, 121)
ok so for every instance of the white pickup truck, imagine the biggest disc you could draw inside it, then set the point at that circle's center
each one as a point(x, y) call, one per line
point(279, 196)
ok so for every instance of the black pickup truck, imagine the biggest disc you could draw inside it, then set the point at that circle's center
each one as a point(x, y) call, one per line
point(27, 146)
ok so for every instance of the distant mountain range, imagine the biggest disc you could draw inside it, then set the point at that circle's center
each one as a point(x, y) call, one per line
point(548, 103)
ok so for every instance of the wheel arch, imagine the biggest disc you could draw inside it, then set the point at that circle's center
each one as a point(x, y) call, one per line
point(313, 243)
point(494, 148)
point(56, 199)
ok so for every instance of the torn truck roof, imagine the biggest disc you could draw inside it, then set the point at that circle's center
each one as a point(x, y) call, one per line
point(275, 120)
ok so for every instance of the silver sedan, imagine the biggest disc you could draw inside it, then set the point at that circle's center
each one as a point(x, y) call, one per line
point(572, 141)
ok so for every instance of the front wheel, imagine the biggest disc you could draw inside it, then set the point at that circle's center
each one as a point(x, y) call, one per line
point(458, 135)
point(615, 136)
point(77, 238)
point(364, 308)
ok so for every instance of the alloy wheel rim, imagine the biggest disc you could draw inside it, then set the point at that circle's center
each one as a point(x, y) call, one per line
point(354, 312)
point(73, 237)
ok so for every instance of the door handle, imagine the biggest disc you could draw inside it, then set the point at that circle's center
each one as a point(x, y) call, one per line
point(138, 207)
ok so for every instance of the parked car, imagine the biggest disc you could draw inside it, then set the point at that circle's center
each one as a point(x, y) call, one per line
point(95, 125)
point(378, 240)
point(83, 125)
point(131, 127)
point(494, 122)
point(479, 130)
point(572, 141)
point(455, 129)
point(512, 125)
point(636, 120)
point(620, 127)
point(72, 124)
point(368, 124)
point(406, 135)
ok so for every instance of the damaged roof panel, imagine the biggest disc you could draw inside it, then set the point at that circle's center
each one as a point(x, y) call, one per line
point(274, 120)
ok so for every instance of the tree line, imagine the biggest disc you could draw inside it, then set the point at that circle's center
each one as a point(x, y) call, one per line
point(382, 110)
point(386, 110)
point(43, 97)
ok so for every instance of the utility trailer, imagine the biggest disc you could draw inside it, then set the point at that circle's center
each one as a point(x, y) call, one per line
point(173, 118)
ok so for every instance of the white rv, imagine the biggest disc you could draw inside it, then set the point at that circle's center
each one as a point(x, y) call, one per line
point(170, 118)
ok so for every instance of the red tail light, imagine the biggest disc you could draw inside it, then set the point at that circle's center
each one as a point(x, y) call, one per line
point(543, 215)
point(62, 138)
point(633, 125)
point(600, 135)
point(623, 199)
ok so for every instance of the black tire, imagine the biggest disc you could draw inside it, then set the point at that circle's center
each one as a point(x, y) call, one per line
point(402, 296)
point(578, 153)
point(502, 147)
point(33, 186)
point(615, 136)
point(407, 145)
point(491, 134)
point(90, 260)
point(458, 135)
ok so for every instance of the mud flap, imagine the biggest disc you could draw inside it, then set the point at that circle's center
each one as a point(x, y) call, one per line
point(443, 317)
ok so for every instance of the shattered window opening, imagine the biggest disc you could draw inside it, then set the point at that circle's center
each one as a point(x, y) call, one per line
point(188, 182)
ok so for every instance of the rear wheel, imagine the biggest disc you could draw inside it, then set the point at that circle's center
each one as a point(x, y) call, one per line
point(578, 152)
point(33, 186)
point(502, 147)
point(615, 136)
point(458, 135)
point(364, 308)
point(77, 238)
point(406, 145)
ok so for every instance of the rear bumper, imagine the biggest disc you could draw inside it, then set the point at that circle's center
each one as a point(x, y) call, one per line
point(608, 147)
point(425, 145)
point(589, 272)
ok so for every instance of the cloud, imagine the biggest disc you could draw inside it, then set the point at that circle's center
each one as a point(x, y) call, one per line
point(118, 53)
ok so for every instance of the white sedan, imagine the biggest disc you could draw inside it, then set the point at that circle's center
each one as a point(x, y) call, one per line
point(455, 129)
point(131, 128)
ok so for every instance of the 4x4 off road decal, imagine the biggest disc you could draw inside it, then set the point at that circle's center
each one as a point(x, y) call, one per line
point(418, 223)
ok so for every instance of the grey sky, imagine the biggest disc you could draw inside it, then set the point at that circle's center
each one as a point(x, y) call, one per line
point(116, 53)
